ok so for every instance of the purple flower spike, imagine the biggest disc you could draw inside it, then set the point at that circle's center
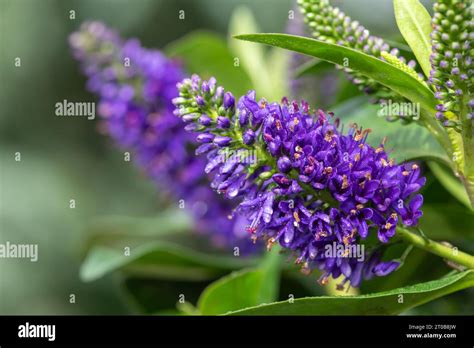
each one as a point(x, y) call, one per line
point(137, 88)
point(300, 182)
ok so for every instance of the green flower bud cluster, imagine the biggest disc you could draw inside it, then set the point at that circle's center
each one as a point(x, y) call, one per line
point(330, 24)
point(451, 61)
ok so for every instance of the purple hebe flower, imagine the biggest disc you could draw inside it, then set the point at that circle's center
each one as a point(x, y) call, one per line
point(310, 187)
point(135, 86)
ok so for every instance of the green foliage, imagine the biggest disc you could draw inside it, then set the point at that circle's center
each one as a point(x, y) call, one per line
point(378, 70)
point(160, 247)
point(235, 291)
point(414, 23)
point(267, 68)
point(245, 288)
point(401, 65)
point(207, 54)
point(389, 302)
point(314, 66)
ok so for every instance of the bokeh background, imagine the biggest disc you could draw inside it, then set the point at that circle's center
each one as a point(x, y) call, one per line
point(66, 158)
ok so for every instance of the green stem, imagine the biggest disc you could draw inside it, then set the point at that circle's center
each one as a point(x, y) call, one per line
point(447, 252)
point(271, 268)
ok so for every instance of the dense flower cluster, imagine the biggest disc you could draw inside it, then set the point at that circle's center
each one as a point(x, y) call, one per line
point(308, 185)
point(451, 60)
point(135, 86)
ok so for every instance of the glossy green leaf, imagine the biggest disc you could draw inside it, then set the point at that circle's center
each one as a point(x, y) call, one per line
point(382, 303)
point(267, 69)
point(251, 57)
point(376, 69)
point(278, 66)
point(245, 288)
point(159, 259)
point(232, 292)
point(316, 66)
point(207, 54)
point(161, 247)
point(111, 227)
point(414, 23)
point(270, 266)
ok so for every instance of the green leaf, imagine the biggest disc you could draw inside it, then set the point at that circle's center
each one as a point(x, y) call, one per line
point(271, 275)
point(161, 247)
point(414, 23)
point(452, 184)
point(315, 66)
point(278, 65)
point(207, 54)
point(407, 142)
point(267, 69)
point(245, 288)
point(251, 57)
point(382, 303)
point(378, 70)
point(111, 227)
point(159, 259)
point(232, 292)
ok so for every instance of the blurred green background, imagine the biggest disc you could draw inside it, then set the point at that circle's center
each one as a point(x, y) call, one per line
point(64, 158)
